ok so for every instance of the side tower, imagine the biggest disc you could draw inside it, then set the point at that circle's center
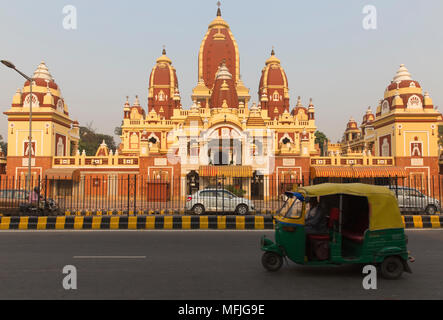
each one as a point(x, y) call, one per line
point(53, 132)
point(273, 92)
point(406, 127)
point(164, 95)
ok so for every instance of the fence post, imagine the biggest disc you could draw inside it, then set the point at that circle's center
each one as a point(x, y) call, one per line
point(135, 193)
point(129, 195)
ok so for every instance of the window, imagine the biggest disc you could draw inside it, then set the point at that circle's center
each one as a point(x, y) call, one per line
point(60, 106)
point(385, 108)
point(207, 194)
point(293, 208)
point(415, 103)
point(35, 102)
point(228, 195)
point(275, 96)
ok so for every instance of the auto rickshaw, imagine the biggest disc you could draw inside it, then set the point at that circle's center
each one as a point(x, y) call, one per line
point(363, 223)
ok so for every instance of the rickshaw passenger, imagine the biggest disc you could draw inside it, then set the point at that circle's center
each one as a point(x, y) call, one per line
point(316, 220)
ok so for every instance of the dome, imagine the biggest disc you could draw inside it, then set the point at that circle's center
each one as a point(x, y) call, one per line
point(352, 125)
point(369, 117)
point(403, 93)
point(218, 45)
point(46, 93)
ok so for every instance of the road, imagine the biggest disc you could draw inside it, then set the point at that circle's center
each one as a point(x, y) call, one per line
point(192, 265)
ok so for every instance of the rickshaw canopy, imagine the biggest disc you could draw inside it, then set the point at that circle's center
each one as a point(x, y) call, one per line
point(383, 208)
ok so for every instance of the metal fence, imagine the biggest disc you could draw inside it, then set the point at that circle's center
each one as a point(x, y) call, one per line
point(136, 193)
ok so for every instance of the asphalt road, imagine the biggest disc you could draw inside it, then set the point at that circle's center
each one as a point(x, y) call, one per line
point(192, 265)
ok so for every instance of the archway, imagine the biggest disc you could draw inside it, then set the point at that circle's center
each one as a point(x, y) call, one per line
point(193, 182)
point(257, 186)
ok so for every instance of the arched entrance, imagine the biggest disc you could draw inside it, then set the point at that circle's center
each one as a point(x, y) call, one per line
point(193, 182)
point(257, 186)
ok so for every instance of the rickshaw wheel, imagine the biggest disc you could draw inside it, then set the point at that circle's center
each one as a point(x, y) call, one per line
point(272, 261)
point(392, 268)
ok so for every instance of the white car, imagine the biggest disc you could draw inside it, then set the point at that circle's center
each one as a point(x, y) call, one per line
point(218, 200)
point(412, 200)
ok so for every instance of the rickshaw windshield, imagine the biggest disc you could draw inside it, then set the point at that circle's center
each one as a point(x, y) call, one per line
point(293, 208)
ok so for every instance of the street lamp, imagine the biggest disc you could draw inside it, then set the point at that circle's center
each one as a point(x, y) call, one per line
point(12, 66)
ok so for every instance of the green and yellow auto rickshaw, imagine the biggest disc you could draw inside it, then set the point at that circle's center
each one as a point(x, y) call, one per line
point(362, 224)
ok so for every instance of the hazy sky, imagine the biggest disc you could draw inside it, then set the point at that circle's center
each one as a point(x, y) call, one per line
point(323, 47)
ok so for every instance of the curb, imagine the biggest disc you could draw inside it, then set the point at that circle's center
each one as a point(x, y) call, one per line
point(146, 212)
point(170, 222)
point(150, 222)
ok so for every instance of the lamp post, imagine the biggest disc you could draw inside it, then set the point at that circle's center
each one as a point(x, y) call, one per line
point(12, 66)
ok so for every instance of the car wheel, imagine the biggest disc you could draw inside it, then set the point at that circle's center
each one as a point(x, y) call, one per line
point(431, 210)
point(242, 210)
point(272, 261)
point(392, 268)
point(198, 209)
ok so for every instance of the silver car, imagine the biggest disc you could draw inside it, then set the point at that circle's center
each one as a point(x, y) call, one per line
point(413, 201)
point(218, 200)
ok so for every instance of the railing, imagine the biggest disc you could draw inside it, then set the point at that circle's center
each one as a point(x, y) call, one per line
point(352, 160)
point(136, 193)
point(83, 161)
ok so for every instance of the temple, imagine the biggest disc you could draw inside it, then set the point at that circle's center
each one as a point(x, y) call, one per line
point(224, 135)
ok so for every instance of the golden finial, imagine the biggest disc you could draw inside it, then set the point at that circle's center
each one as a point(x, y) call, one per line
point(164, 50)
point(218, 10)
point(273, 51)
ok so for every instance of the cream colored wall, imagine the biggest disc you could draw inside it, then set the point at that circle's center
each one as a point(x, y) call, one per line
point(43, 136)
point(404, 133)
point(423, 132)
point(384, 131)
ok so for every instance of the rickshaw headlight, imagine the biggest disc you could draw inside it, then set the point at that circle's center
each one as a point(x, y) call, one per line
point(262, 241)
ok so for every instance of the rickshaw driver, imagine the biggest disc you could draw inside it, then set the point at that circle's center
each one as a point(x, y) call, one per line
point(316, 220)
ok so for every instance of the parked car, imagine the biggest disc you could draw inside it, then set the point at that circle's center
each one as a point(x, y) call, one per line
point(11, 199)
point(218, 200)
point(411, 200)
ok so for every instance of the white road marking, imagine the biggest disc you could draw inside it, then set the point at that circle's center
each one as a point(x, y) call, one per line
point(109, 257)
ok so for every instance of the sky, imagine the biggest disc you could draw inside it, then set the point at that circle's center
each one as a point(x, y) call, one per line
point(322, 45)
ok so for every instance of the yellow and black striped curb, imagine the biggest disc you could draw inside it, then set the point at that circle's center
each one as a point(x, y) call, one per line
point(138, 223)
point(164, 222)
point(147, 212)
point(423, 222)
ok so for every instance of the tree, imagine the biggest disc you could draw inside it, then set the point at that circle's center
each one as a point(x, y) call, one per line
point(3, 145)
point(118, 130)
point(90, 140)
point(322, 141)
